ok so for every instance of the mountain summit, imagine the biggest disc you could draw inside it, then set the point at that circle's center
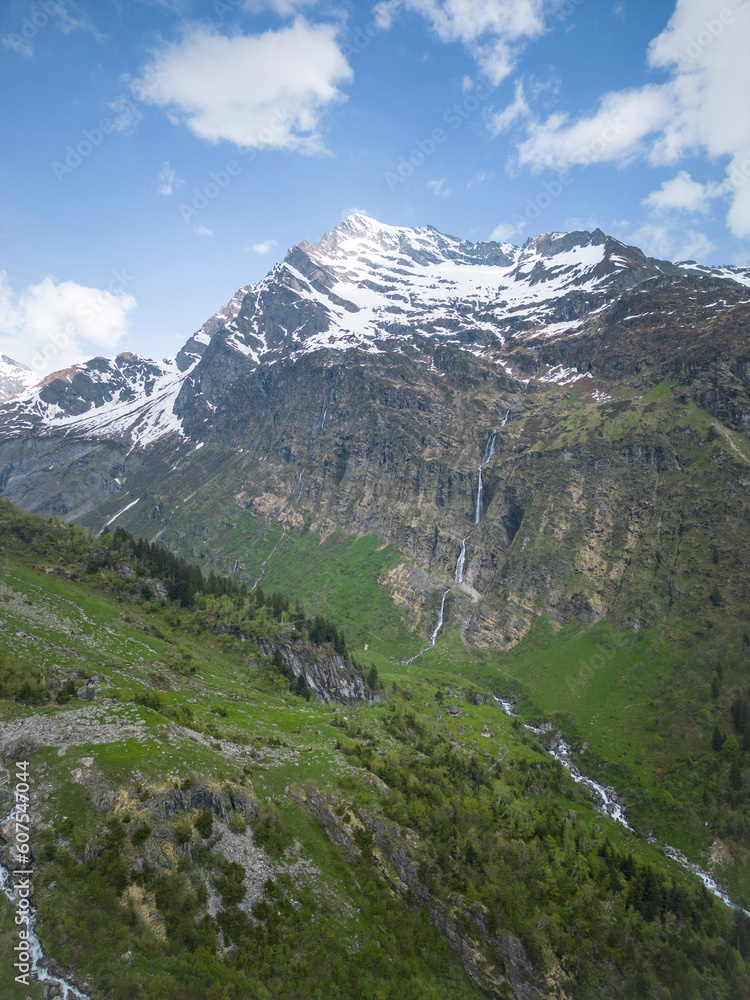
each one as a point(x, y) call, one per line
point(509, 420)
point(14, 378)
point(370, 285)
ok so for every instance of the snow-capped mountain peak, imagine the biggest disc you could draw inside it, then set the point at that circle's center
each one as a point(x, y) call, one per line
point(367, 284)
point(373, 287)
point(15, 378)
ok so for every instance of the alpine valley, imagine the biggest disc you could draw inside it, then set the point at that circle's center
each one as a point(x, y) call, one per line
point(401, 471)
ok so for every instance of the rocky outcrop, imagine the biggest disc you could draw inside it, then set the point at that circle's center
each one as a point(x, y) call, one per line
point(584, 497)
point(220, 801)
point(464, 924)
point(325, 672)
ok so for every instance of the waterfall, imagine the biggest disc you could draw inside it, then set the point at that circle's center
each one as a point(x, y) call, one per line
point(489, 451)
point(441, 619)
point(478, 511)
point(504, 421)
point(458, 576)
point(436, 631)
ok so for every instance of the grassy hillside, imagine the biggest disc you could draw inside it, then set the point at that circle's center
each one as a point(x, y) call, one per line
point(205, 828)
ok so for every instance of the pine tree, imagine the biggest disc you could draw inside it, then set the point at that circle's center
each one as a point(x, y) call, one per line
point(717, 740)
point(735, 776)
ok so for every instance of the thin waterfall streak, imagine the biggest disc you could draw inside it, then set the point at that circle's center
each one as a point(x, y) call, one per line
point(458, 576)
point(436, 632)
point(441, 619)
point(478, 511)
point(489, 449)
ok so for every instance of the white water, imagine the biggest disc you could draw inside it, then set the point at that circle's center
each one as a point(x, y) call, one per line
point(441, 619)
point(38, 961)
point(436, 631)
point(478, 511)
point(489, 451)
point(458, 576)
point(610, 805)
point(504, 421)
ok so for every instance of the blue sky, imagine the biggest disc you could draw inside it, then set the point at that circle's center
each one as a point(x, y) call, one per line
point(158, 154)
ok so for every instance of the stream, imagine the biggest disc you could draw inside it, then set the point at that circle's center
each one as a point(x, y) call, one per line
point(38, 962)
point(609, 802)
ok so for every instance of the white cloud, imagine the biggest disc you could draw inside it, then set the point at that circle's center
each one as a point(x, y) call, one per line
point(20, 45)
point(668, 239)
point(257, 91)
point(506, 231)
point(682, 193)
point(438, 188)
point(500, 121)
point(202, 231)
point(493, 30)
point(616, 132)
point(262, 248)
point(125, 114)
point(356, 210)
point(696, 111)
point(479, 178)
point(167, 179)
point(57, 323)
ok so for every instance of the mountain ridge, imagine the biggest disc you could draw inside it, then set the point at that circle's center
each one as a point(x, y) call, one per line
point(307, 279)
point(314, 411)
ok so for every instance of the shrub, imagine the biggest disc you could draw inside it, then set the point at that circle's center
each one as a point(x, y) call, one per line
point(140, 835)
point(237, 823)
point(204, 823)
point(183, 831)
point(20, 681)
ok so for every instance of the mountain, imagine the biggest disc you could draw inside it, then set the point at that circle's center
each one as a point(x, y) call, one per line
point(520, 472)
point(511, 408)
point(201, 825)
point(14, 378)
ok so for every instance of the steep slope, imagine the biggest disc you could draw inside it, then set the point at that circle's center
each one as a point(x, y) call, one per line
point(485, 404)
point(14, 378)
point(200, 829)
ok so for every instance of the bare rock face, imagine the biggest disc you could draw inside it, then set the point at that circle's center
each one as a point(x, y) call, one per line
point(220, 801)
point(325, 672)
point(486, 402)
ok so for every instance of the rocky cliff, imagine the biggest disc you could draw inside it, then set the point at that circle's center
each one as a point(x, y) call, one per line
point(559, 428)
